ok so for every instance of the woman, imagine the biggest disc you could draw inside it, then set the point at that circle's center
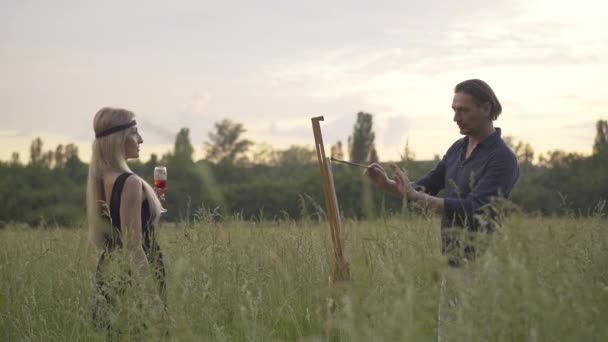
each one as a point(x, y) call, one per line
point(122, 210)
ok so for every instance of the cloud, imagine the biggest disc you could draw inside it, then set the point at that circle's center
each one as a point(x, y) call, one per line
point(396, 63)
point(11, 134)
point(270, 69)
point(293, 132)
point(158, 130)
point(586, 126)
point(197, 103)
point(351, 70)
point(395, 129)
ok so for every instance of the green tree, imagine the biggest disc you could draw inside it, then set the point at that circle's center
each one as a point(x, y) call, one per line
point(152, 162)
point(71, 154)
point(361, 143)
point(15, 159)
point(337, 151)
point(527, 157)
point(373, 156)
point(264, 154)
point(558, 159)
point(524, 152)
point(297, 155)
point(183, 149)
point(59, 157)
point(601, 137)
point(71, 151)
point(408, 154)
point(47, 159)
point(36, 151)
point(225, 144)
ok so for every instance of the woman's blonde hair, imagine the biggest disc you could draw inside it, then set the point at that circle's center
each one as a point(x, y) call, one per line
point(109, 155)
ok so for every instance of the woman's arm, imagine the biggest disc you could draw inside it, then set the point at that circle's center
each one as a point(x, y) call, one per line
point(131, 226)
point(130, 220)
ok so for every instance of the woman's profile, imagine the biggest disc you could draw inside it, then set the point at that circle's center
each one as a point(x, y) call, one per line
point(122, 209)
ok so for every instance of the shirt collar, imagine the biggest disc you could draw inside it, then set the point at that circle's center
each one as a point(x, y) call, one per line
point(489, 140)
point(492, 138)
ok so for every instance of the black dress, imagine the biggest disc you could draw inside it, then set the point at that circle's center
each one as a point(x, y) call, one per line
point(109, 287)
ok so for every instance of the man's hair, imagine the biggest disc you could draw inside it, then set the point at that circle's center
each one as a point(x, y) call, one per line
point(482, 93)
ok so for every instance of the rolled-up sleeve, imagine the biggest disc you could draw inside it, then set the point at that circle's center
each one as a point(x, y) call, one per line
point(500, 177)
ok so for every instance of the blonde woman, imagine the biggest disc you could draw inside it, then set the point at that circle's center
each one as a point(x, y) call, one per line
point(122, 210)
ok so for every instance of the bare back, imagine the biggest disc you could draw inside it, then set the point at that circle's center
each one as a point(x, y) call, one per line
point(108, 184)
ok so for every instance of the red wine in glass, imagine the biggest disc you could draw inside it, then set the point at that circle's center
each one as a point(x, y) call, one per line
point(160, 182)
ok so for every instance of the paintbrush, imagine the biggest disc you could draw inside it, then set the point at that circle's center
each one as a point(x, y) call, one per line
point(347, 162)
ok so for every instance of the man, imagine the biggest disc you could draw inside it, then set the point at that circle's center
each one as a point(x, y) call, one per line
point(474, 170)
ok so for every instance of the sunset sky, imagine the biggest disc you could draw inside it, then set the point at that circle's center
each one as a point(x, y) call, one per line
point(272, 65)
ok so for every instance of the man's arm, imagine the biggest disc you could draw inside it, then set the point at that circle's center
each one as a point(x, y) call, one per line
point(400, 185)
point(431, 183)
point(434, 181)
point(500, 177)
point(437, 203)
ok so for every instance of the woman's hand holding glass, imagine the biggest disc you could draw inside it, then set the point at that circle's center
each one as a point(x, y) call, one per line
point(160, 184)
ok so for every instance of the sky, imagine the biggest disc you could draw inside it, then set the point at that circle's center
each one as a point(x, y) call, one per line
point(272, 65)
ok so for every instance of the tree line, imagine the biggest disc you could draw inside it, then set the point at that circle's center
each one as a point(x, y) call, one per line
point(254, 181)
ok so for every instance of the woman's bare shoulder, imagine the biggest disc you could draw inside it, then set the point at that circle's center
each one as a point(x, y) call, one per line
point(133, 188)
point(110, 177)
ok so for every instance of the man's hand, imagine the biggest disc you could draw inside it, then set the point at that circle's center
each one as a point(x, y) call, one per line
point(402, 182)
point(378, 176)
point(399, 184)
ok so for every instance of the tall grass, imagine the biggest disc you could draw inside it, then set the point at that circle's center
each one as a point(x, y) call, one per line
point(542, 279)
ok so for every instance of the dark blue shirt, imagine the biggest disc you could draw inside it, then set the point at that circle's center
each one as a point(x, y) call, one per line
point(469, 184)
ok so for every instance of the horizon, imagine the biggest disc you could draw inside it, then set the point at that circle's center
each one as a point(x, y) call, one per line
point(199, 154)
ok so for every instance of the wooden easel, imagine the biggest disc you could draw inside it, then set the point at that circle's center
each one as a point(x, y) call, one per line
point(341, 270)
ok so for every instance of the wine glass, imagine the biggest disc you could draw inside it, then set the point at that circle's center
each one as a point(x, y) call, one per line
point(160, 183)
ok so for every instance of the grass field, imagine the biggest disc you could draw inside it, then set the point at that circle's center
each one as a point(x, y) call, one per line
point(542, 279)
